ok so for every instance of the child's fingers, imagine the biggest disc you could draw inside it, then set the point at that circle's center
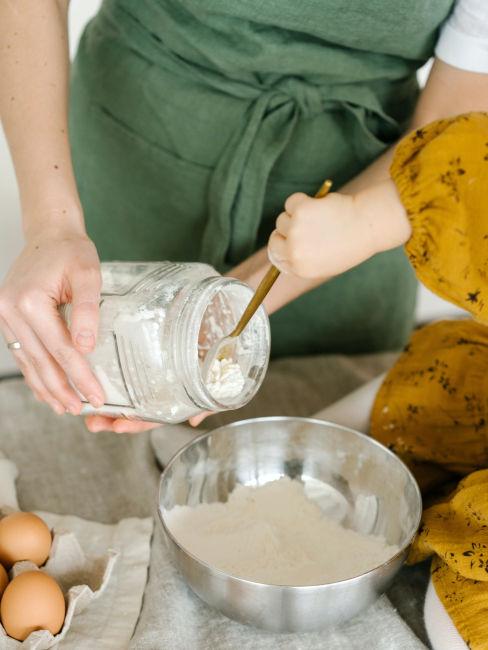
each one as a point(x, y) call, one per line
point(277, 252)
point(277, 247)
point(283, 224)
point(294, 200)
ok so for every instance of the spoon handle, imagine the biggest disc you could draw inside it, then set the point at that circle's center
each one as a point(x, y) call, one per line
point(268, 280)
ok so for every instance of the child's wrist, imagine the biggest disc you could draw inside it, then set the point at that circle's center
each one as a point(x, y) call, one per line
point(368, 220)
point(382, 217)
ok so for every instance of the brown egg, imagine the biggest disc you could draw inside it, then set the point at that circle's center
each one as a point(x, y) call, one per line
point(3, 580)
point(24, 536)
point(32, 601)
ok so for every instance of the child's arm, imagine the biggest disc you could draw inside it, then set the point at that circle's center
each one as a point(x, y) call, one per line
point(449, 91)
point(321, 238)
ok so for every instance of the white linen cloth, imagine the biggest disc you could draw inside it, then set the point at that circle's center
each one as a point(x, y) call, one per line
point(107, 477)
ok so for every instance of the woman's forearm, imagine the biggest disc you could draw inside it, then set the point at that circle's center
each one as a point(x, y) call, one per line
point(34, 70)
point(449, 92)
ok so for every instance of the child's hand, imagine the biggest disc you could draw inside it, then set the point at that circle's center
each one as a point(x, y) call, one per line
point(321, 238)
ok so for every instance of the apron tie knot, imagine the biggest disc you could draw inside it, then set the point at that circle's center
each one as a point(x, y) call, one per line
point(307, 97)
point(238, 183)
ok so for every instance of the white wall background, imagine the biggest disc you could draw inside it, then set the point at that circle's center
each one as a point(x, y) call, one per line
point(429, 306)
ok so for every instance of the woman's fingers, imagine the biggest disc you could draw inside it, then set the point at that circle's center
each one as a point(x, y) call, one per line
point(28, 369)
point(97, 423)
point(55, 267)
point(198, 419)
point(34, 382)
point(42, 315)
point(36, 356)
point(85, 300)
point(133, 426)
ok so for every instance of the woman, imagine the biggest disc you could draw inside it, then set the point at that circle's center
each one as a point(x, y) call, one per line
point(189, 126)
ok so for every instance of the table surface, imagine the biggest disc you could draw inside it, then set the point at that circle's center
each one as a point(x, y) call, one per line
point(106, 477)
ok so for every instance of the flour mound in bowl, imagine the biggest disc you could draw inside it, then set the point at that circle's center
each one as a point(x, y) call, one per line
point(274, 534)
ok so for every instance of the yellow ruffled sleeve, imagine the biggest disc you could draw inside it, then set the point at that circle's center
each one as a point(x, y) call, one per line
point(441, 173)
point(455, 533)
point(432, 408)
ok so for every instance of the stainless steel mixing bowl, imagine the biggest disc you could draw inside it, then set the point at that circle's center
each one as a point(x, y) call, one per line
point(370, 487)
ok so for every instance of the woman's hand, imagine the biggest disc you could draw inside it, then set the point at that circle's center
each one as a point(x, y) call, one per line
point(56, 266)
point(322, 238)
point(97, 423)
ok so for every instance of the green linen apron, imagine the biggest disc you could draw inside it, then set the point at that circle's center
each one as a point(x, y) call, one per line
point(191, 122)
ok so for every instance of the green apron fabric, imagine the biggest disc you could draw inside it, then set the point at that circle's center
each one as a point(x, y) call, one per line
point(191, 122)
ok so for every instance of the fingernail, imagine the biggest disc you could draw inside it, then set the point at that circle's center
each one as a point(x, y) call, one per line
point(85, 339)
point(74, 409)
point(95, 401)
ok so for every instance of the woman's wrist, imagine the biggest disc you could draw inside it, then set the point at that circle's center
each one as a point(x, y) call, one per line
point(65, 218)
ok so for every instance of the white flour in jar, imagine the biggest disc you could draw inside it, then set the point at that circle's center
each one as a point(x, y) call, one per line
point(225, 379)
point(276, 535)
point(147, 364)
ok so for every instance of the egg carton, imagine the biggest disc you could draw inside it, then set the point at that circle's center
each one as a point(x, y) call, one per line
point(82, 579)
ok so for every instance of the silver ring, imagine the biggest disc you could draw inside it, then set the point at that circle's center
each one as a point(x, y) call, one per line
point(15, 345)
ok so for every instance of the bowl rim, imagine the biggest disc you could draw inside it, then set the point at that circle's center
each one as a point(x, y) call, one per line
point(278, 418)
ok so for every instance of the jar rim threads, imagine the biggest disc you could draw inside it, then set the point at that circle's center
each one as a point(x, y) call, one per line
point(188, 327)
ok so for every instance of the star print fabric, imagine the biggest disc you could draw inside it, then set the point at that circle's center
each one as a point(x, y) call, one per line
point(455, 532)
point(432, 409)
point(441, 173)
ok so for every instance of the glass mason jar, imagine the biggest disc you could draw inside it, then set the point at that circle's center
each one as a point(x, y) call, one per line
point(157, 321)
